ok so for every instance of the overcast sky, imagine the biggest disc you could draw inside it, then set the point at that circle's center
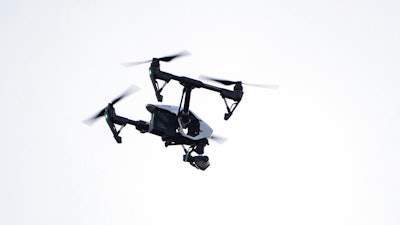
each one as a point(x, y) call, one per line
point(322, 149)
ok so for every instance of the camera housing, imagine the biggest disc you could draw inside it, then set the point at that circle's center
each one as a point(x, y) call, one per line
point(201, 162)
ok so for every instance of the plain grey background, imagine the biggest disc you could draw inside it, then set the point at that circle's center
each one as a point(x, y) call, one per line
point(322, 149)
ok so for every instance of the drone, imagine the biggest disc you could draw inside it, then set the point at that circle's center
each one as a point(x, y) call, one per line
point(176, 125)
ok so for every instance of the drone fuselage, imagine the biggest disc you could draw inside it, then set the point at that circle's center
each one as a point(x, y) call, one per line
point(174, 127)
point(168, 122)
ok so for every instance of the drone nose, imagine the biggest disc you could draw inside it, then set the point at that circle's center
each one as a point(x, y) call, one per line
point(150, 108)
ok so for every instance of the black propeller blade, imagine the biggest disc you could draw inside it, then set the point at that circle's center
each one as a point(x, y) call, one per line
point(163, 59)
point(129, 64)
point(171, 57)
point(224, 82)
point(218, 139)
point(228, 82)
point(93, 118)
point(266, 86)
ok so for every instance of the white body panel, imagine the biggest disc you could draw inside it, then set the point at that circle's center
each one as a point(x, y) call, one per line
point(205, 129)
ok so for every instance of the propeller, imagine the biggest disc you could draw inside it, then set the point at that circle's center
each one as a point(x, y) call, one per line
point(228, 82)
point(218, 139)
point(163, 59)
point(93, 118)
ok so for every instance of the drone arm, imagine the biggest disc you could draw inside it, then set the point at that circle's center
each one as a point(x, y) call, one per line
point(235, 95)
point(156, 73)
point(114, 131)
point(140, 125)
point(230, 109)
point(157, 90)
point(115, 119)
point(112, 118)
